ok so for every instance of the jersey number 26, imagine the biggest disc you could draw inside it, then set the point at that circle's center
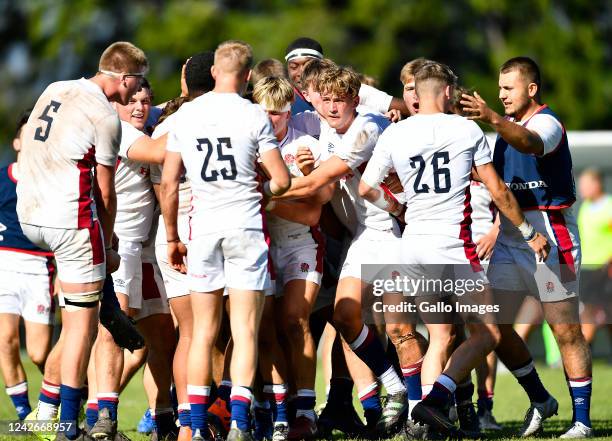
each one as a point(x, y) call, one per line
point(439, 173)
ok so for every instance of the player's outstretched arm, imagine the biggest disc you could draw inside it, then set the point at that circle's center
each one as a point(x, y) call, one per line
point(169, 199)
point(521, 138)
point(106, 207)
point(148, 150)
point(509, 207)
point(280, 180)
point(327, 173)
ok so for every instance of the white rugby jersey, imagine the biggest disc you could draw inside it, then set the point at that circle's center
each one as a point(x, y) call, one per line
point(72, 128)
point(281, 230)
point(355, 148)
point(433, 157)
point(135, 197)
point(184, 195)
point(219, 136)
point(483, 210)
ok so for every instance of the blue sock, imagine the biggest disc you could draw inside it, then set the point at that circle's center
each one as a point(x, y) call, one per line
point(198, 401)
point(305, 400)
point(240, 400)
point(370, 350)
point(528, 377)
point(91, 413)
point(370, 401)
point(71, 403)
point(412, 380)
point(580, 391)
point(442, 391)
point(110, 401)
point(184, 416)
point(49, 393)
point(277, 396)
point(19, 397)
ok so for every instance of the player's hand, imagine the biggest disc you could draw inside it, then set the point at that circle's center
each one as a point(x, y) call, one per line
point(184, 89)
point(485, 245)
point(112, 261)
point(476, 108)
point(393, 115)
point(393, 183)
point(177, 251)
point(305, 160)
point(539, 244)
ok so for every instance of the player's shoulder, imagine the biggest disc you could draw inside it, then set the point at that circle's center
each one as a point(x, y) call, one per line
point(165, 126)
point(370, 122)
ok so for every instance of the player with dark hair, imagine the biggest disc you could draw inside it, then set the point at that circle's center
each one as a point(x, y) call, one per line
point(532, 156)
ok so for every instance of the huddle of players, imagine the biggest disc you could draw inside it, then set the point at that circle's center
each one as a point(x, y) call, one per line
point(325, 164)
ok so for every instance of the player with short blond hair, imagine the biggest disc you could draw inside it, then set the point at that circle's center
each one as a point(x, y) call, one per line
point(74, 129)
point(217, 137)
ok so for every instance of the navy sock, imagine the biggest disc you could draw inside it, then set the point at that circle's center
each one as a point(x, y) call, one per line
point(19, 397)
point(412, 380)
point(277, 396)
point(163, 420)
point(370, 350)
point(49, 393)
point(580, 391)
point(71, 402)
point(528, 377)
point(340, 391)
point(224, 391)
point(464, 392)
point(485, 401)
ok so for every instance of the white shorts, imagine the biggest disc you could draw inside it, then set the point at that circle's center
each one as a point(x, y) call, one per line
point(128, 277)
point(234, 258)
point(445, 262)
point(28, 295)
point(514, 266)
point(302, 261)
point(79, 254)
point(154, 299)
point(372, 248)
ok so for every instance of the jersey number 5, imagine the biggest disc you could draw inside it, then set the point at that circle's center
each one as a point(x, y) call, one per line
point(214, 172)
point(439, 173)
point(41, 135)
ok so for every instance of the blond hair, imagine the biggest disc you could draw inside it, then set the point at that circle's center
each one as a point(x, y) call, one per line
point(313, 70)
point(273, 93)
point(342, 82)
point(410, 68)
point(234, 56)
point(123, 57)
point(270, 67)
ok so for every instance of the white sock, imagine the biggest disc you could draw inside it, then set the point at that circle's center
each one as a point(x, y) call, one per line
point(392, 382)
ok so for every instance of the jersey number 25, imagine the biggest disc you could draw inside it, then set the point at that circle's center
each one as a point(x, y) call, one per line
point(211, 172)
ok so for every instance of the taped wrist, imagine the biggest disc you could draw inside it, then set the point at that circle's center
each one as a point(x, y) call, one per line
point(527, 231)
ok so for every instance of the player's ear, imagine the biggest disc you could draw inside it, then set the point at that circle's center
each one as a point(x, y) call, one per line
point(532, 90)
point(213, 72)
point(248, 76)
point(356, 101)
point(448, 92)
point(17, 145)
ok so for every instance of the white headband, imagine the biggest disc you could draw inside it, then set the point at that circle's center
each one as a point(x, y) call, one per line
point(303, 52)
point(269, 108)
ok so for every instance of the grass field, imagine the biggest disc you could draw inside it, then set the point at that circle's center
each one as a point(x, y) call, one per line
point(510, 403)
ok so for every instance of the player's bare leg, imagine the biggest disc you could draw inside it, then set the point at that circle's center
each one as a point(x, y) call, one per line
point(576, 355)
point(160, 338)
point(348, 320)
point(109, 368)
point(298, 300)
point(484, 337)
point(207, 308)
point(513, 352)
point(181, 308)
point(245, 316)
point(273, 370)
point(132, 361)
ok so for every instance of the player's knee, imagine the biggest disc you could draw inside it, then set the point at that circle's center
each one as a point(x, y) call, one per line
point(567, 334)
point(493, 337)
point(296, 324)
point(400, 335)
point(9, 342)
point(346, 323)
point(38, 356)
point(79, 301)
